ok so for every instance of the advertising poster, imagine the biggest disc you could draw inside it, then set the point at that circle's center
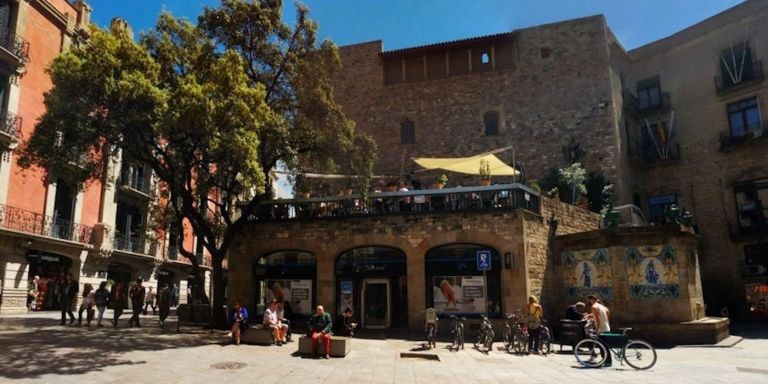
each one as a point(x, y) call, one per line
point(297, 293)
point(465, 294)
point(346, 299)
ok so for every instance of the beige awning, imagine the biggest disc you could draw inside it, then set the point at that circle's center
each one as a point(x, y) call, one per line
point(468, 165)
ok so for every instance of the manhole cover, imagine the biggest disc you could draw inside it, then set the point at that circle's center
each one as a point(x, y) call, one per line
point(228, 365)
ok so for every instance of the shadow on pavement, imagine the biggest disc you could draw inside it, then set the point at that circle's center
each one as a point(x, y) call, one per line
point(39, 347)
point(750, 330)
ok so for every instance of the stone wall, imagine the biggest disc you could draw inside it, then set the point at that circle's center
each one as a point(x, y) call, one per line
point(558, 88)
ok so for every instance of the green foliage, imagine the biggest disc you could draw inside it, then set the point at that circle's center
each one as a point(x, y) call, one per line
point(442, 179)
point(599, 192)
point(573, 176)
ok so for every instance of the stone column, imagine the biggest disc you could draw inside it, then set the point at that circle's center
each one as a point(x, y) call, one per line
point(417, 301)
point(326, 281)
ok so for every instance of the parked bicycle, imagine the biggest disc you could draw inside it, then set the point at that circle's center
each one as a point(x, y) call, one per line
point(545, 338)
point(484, 341)
point(638, 354)
point(457, 332)
point(431, 335)
point(514, 335)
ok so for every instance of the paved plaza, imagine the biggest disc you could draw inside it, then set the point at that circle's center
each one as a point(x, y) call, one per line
point(35, 349)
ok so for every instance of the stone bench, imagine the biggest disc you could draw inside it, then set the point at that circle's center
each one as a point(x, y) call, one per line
point(340, 345)
point(257, 334)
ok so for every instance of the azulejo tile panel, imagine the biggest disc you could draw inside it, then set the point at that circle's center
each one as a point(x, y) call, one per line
point(587, 272)
point(652, 272)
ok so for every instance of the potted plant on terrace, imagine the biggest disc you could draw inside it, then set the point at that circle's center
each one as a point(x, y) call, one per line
point(441, 181)
point(485, 172)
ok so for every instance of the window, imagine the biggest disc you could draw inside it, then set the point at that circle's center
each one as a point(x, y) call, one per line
point(756, 259)
point(752, 204)
point(649, 93)
point(736, 65)
point(491, 123)
point(657, 204)
point(407, 132)
point(485, 58)
point(744, 117)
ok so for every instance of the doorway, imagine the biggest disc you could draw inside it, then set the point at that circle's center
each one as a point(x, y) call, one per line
point(376, 303)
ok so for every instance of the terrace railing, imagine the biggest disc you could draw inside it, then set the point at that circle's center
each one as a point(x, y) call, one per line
point(504, 197)
point(21, 220)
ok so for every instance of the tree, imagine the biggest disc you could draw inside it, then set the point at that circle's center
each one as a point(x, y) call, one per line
point(211, 118)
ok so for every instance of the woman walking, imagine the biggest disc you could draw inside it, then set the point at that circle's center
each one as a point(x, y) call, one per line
point(533, 322)
point(118, 300)
point(100, 299)
point(86, 305)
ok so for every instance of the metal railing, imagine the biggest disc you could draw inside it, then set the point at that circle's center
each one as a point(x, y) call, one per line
point(631, 101)
point(753, 133)
point(647, 152)
point(16, 45)
point(10, 124)
point(21, 220)
point(173, 252)
point(461, 199)
point(134, 244)
point(751, 72)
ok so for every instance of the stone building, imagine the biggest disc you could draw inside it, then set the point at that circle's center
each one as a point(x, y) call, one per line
point(48, 226)
point(678, 121)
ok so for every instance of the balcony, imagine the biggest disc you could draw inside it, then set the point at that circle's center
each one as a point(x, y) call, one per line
point(633, 104)
point(13, 49)
point(648, 154)
point(504, 197)
point(133, 182)
point(134, 244)
point(751, 73)
point(10, 130)
point(16, 219)
point(753, 136)
point(748, 232)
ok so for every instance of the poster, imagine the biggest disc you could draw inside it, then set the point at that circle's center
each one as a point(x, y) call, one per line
point(346, 299)
point(297, 293)
point(465, 294)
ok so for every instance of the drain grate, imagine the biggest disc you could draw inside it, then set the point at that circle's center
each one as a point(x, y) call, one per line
point(228, 365)
point(424, 356)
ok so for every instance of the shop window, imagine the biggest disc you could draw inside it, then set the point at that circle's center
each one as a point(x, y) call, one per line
point(649, 93)
point(454, 284)
point(491, 123)
point(752, 205)
point(289, 277)
point(657, 204)
point(407, 132)
point(49, 269)
point(744, 118)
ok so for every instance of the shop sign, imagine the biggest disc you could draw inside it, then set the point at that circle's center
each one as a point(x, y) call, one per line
point(483, 260)
point(297, 293)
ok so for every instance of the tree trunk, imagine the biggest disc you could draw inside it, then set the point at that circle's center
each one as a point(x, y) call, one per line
point(219, 315)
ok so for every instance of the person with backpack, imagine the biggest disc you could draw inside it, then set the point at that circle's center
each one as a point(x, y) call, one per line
point(86, 305)
point(100, 300)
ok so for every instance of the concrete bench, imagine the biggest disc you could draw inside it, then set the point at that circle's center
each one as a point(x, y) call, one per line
point(257, 334)
point(340, 345)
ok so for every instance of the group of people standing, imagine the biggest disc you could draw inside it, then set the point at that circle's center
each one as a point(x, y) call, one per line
point(116, 297)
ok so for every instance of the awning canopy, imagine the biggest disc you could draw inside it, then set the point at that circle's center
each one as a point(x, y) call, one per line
point(468, 165)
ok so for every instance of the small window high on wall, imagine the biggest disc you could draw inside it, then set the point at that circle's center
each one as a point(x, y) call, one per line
point(407, 132)
point(491, 123)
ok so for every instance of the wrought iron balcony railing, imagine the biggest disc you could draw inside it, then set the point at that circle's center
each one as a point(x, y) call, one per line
point(134, 244)
point(14, 44)
point(648, 153)
point(17, 219)
point(633, 103)
point(10, 125)
point(754, 134)
point(173, 253)
point(462, 199)
point(751, 72)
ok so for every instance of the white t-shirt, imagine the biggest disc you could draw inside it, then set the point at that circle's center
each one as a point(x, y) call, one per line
point(602, 312)
point(270, 317)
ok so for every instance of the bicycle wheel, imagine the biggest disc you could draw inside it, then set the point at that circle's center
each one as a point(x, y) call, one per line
point(595, 353)
point(544, 344)
point(461, 336)
point(639, 354)
point(506, 334)
point(520, 342)
point(489, 341)
point(479, 340)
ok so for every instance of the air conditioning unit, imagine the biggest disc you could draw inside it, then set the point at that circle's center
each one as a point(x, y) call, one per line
point(756, 270)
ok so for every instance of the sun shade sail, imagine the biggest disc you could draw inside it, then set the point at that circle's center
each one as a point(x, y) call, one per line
point(468, 165)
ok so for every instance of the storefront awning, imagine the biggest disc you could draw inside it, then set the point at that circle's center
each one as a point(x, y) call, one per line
point(467, 165)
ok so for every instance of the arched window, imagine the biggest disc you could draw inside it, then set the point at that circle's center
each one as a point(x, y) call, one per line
point(491, 123)
point(407, 132)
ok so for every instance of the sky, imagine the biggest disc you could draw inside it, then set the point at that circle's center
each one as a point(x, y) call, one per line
point(408, 23)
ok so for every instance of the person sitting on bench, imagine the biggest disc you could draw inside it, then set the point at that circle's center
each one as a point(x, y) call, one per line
point(345, 324)
point(320, 326)
point(272, 321)
point(239, 319)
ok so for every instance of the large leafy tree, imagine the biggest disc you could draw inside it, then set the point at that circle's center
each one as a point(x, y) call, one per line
point(211, 108)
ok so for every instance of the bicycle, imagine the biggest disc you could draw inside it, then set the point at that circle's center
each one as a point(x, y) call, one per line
point(457, 332)
point(485, 336)
point(431, 335)
point(514, 335)
point(638, 354)
point(545, 338)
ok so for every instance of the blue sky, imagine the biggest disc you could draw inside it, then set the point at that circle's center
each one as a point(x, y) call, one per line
point(406, 23)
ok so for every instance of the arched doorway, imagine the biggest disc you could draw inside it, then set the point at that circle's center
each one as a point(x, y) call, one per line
point(372, 281)
point(287, 276)
point(455, 285)
point(50, 268)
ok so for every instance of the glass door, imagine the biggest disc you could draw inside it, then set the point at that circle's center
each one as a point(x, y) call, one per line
point(376, 304)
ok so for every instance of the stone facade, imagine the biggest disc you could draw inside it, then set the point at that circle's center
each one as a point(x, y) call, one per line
point(574, 79)
point(522, 234)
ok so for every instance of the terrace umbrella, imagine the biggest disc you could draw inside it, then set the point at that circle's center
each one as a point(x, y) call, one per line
point(469, 165)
